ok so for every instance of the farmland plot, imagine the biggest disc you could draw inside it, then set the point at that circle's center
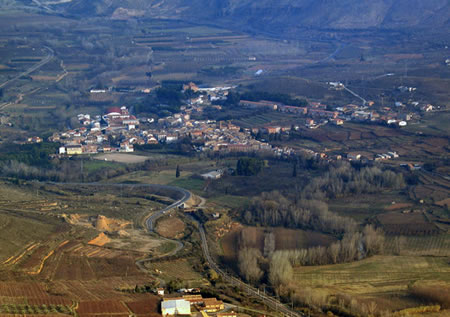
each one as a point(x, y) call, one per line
point(379, 278)
point(101, 307)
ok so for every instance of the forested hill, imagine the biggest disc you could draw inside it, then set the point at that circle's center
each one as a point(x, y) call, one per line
point(273, 15)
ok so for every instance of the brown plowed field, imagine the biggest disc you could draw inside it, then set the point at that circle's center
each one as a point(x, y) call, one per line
point(407, 224)
point(73, 268)
point(51, 300)
point(101, 289)
point(104, 315)
point(33, 315)
point(102, 307)
point(29, 290)
point(34, 259)
point(145, 307)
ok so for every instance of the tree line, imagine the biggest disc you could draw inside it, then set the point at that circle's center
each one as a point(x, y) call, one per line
point(276, 265)
point(273, 209)
point(344, 180)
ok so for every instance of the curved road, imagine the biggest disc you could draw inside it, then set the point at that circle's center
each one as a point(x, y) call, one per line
point(268, 300)
point(185, 196)
point(149, 222)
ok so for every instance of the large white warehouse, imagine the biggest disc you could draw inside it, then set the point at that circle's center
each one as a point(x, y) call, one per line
point(175, 307)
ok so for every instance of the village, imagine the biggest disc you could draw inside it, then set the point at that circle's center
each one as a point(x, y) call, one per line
point(120, 131)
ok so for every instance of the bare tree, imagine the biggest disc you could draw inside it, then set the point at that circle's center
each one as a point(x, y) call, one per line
point(334, 250)
point(373, 240)
point(269, 244)
point(280, 271)
point(248, 264)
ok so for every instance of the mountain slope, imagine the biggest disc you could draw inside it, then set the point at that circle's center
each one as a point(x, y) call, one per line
point(282, 14)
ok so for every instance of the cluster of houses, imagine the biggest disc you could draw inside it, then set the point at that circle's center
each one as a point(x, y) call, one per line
point(386, 156)
point(355, 156)
point(194, 304)
point(317, 114)
point(118, 131)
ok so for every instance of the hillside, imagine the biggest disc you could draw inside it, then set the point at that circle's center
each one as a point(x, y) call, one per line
point(276, 15)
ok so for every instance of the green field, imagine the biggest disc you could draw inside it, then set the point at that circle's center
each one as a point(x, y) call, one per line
point(178, 269)
point(435, 123)
point(229, 201)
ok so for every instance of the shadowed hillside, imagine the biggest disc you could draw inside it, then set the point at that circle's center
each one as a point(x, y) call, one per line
point(275, 15)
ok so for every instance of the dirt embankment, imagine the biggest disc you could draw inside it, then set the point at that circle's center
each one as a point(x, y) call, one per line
point(99, 222)
point(100, 240)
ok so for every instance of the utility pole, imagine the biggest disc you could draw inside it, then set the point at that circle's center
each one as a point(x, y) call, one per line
point(81, 171)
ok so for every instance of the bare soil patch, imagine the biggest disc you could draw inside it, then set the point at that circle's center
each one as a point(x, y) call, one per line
point(101, 307)
point(171, 227)
point(100, 240)
point(121, 158)
point(145, 307)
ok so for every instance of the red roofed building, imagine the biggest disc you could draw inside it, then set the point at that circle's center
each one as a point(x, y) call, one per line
point(113, 111)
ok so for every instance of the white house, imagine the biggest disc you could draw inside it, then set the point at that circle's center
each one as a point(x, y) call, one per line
point(212, 175)
point(175, 307)
point(354, 156)
point(160, 291)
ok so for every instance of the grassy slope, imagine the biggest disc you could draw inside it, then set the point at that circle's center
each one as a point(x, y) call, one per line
point(17, 232)
point(377, 277)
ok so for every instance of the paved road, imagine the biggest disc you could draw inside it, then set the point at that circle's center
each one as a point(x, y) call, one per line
point(356, 95)
point(269, 301)
point(186, 195)
point(149, 222)
point(47, 59)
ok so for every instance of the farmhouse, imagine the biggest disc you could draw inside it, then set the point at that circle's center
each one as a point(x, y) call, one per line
point(337, 121)
point(212, 175)
point(272, 130)
point(175, 307)
point(74, 149)
point(212, 305)
point(193, 299)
